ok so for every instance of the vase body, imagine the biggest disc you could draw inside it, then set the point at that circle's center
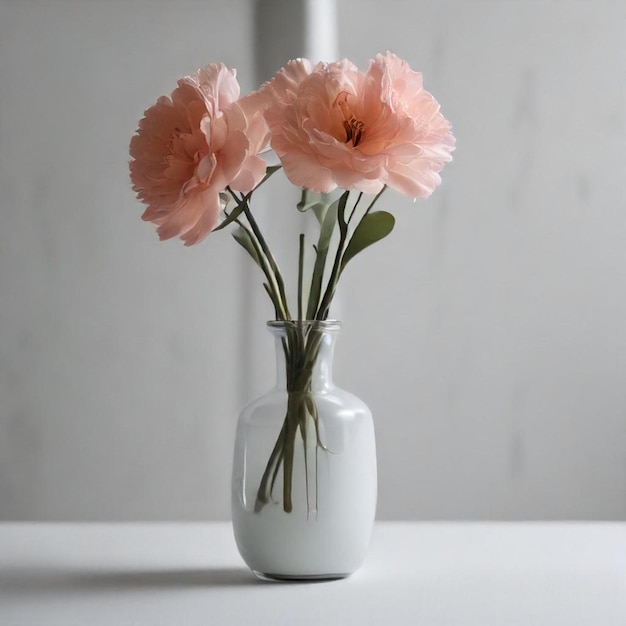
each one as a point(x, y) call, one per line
point(304, 472)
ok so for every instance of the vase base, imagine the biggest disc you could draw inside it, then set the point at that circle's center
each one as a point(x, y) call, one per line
point(303, 578)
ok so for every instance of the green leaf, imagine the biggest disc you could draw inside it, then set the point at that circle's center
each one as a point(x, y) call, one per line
point(336, 270)
point(271, 295)
point(319, 205)
point(328, 225)
point(323, 243)
point(316, 206)
point(231, 217)
point(269, 170)
point(320, 210)
point(372, 228)
point(242, 237)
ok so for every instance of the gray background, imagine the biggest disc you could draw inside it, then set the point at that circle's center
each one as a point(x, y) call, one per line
point(487, 333)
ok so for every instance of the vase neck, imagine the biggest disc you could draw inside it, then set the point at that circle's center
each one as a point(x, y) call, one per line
point(304, 354)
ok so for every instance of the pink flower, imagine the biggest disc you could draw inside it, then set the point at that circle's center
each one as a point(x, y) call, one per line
point(332, 125)
point(189, 148)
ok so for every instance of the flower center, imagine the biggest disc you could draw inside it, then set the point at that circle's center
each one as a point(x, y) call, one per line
point(354, 128)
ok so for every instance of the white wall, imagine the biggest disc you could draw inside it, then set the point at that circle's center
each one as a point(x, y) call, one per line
point(495, 356)
point(499, 379)
point(119, 354)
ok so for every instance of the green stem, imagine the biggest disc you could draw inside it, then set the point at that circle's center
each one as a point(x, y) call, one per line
point(300, 272)
point(269, 170)
point(373, 202)
point(322, 312)
point(300, 354)
point(291, 422)
point(263, 494)
point(270, 257)
point(356, 204)
point(272, 290)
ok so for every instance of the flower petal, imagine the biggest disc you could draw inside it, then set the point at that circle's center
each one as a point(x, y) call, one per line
point(332, 125)
point(189, 148)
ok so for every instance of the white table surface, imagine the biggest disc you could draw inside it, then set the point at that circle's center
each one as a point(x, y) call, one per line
point(416, 574)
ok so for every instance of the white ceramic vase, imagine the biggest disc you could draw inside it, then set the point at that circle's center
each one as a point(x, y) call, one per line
point(304, 472)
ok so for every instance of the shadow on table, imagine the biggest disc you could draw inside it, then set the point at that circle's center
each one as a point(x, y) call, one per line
point(25, 581)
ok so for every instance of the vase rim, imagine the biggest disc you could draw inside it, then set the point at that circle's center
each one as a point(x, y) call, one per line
point(325, 325)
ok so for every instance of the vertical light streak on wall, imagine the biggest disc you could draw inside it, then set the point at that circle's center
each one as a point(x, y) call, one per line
point(284, 29)
point(296, 28)
point(320, 29)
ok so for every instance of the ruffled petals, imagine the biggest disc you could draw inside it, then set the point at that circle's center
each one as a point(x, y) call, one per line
point(334, 126)
point(193, 145)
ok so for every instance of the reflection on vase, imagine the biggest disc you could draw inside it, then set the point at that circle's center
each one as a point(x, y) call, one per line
point(304, 472)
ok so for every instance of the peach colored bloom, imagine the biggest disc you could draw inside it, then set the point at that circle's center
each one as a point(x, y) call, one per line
point(189, 148)
point(332, 125)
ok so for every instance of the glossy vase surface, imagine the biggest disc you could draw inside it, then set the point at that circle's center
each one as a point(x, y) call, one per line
point(304, 474)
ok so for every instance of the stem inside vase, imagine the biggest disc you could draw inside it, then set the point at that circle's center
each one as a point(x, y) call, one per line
point(300, 343)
